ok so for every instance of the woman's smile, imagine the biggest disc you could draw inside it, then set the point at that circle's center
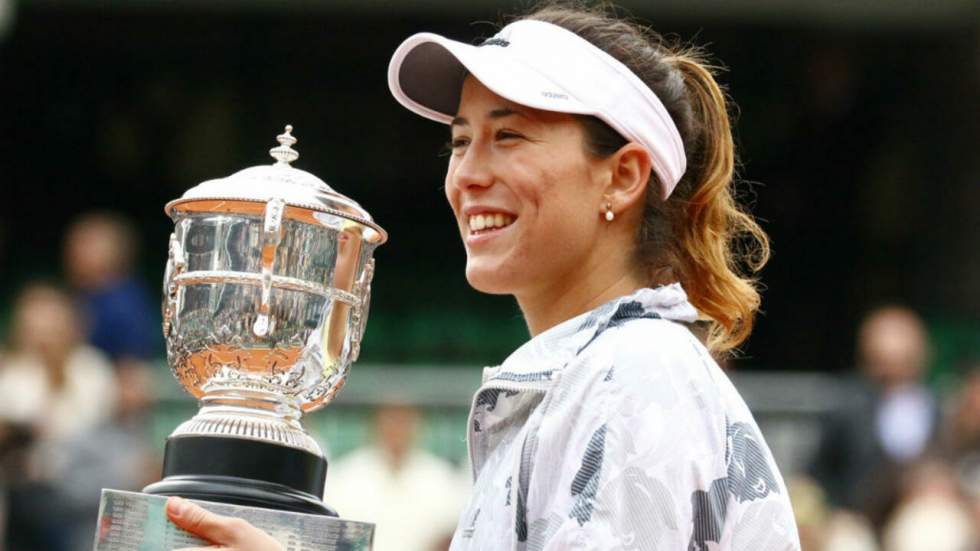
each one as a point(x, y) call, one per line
point(481, 224)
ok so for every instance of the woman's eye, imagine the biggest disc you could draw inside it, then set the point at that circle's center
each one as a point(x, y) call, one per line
point(508, 135)
point(454, 145)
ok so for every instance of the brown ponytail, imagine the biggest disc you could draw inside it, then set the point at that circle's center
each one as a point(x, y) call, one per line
point(715, 223)
point(699, 236)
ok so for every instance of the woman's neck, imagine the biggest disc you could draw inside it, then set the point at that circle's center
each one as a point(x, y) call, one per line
point(572, 297)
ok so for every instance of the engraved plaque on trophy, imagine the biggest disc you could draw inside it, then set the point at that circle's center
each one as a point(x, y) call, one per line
point(266, 296)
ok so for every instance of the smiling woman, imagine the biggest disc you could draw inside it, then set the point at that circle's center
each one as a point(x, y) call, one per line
point(591, 178)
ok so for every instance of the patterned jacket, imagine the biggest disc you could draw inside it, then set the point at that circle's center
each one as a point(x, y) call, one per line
point(616, 430)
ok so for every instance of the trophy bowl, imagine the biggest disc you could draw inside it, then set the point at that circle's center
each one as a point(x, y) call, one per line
point(265, 299)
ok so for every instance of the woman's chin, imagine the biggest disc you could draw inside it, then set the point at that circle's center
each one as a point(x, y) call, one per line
point(487, 279)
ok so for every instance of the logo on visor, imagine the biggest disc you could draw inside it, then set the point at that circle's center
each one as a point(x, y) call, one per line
point(495, 41)
point(554, 95)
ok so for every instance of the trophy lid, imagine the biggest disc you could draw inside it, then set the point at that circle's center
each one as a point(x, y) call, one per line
point(259, 184)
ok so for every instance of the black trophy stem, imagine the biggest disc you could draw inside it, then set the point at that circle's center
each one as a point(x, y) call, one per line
point(243, 472)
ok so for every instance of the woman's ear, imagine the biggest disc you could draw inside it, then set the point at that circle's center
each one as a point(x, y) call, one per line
point(630, 174)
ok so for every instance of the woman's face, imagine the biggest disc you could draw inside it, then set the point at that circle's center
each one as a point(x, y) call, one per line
point(526, 195)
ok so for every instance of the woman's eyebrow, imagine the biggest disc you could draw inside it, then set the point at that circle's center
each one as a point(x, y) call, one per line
point(506, 112)
point(494, 114)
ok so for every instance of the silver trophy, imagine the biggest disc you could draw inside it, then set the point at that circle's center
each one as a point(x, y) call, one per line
point(266, 295)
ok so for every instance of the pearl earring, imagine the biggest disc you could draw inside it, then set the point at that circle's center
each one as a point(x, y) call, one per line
point(609, 213)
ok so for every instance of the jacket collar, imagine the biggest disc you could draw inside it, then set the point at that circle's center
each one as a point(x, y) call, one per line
point(544, 355)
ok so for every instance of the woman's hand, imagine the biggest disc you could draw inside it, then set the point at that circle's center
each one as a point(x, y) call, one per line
point(226, 533)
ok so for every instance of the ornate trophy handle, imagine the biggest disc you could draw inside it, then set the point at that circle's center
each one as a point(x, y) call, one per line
point(176, 264)
point(363, 293)
point(271, 237)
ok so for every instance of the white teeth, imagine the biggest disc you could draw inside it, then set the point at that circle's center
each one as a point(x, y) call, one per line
point(486, 221)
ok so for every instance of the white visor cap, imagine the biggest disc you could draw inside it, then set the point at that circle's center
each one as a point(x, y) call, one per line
point(543, 66)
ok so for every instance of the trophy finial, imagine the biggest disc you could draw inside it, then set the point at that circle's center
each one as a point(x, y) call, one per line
point(284, 153)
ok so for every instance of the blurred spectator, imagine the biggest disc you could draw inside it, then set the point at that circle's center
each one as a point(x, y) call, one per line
point(847, 531)
point(823, 529)
point(53, 391)
point(413, 496)
point(51, 382)
point(68, 427)
point(962, 438)
point(99, 252)
point(884, 421)
point(810, 510)
point(932, 514)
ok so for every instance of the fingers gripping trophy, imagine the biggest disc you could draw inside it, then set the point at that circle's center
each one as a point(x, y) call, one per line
point(266, 295)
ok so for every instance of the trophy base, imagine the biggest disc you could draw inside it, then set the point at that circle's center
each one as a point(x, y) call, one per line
point(243, 472)
point(131, 521)
point(240, 491)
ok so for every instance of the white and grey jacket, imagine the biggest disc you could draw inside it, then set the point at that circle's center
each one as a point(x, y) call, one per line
point(616, 430)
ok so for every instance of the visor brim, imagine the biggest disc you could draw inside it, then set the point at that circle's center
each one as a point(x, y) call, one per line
point(427, 72)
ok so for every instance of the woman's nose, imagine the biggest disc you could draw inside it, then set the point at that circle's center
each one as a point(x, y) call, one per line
point(473, 170)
